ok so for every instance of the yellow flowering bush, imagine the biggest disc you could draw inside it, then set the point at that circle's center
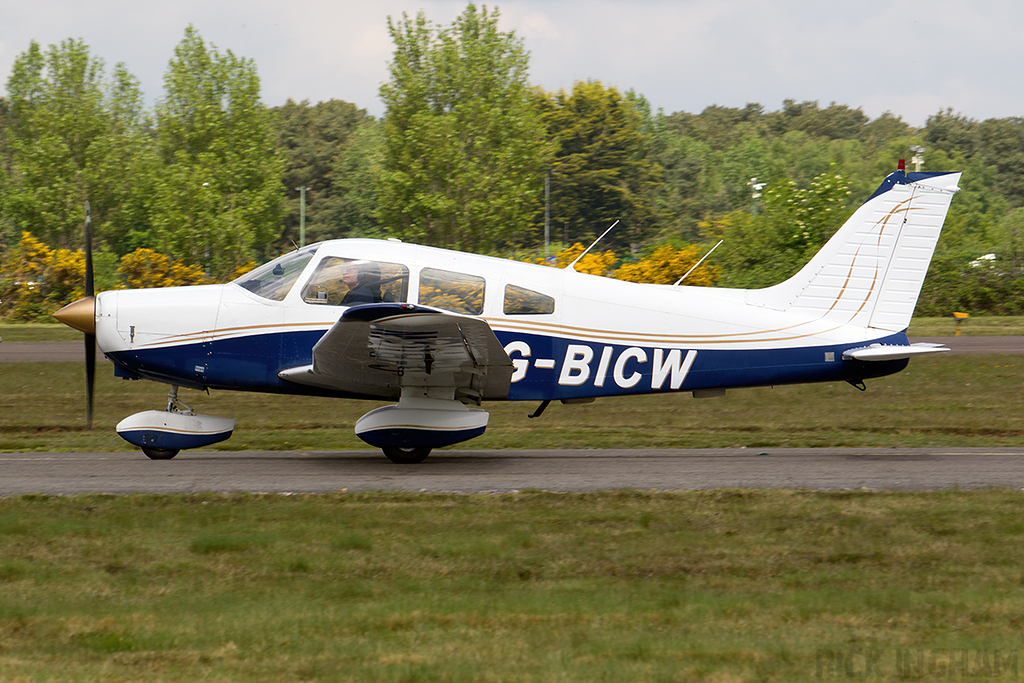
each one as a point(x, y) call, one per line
point(66, 275)
point(37, 280)
point(666, 265)
point(594, 263)
point(145, 268)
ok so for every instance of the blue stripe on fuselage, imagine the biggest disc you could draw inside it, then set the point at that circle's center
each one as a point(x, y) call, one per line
point(550, 367)
point(558, 368)
point(248, 363)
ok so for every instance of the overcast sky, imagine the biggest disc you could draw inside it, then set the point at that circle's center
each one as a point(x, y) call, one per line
point(909, 58)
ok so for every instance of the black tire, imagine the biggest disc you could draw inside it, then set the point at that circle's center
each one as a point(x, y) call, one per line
point(160, 453)
point(406, 456)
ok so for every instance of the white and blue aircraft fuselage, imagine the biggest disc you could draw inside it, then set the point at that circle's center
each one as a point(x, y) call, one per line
point(441, 331)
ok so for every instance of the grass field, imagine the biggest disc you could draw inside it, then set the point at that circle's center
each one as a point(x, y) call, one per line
point(38, 332)
point(944, 401)
point(721, 586)
point(698, 586)
point(984, 326)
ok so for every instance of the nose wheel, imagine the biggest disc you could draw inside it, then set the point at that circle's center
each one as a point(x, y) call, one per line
point(174, 405)
point(405, 456)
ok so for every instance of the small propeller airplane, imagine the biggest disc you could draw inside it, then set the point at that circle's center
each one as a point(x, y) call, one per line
point(440, 332)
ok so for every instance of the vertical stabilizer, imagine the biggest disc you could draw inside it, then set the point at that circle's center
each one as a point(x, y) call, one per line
point(870, 273)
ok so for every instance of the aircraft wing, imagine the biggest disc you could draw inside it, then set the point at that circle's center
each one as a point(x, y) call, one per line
point(376, 349)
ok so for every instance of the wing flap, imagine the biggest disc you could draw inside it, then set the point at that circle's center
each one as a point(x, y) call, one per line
point(377, 349)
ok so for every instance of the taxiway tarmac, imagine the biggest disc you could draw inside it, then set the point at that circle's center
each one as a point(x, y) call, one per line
point(505, 471)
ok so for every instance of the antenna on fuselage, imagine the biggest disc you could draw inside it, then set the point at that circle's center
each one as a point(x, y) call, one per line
point(570, 266)
point(698, 262)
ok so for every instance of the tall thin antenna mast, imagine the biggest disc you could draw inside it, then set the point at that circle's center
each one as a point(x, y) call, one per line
point(570, 266)
point(698, 263)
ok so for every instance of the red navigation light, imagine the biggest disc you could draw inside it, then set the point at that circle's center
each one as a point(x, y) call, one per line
point(902, 166)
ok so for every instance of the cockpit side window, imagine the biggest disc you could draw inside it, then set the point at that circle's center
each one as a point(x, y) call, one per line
point(523, 301)
point(455, 292)
point(341, 281)
point(275, 279)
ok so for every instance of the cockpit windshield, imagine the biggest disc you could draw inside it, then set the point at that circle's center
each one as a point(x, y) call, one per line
point(275, 279)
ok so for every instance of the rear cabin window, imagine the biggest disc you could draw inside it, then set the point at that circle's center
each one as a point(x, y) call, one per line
point(350, 282)
point(455, 292)
point(523, 301)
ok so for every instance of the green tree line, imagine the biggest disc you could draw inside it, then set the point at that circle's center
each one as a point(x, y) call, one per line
point(198, 177)
point(464, 157)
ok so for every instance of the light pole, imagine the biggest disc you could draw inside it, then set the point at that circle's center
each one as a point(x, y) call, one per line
point(917, 160)
point(547, 214)
point(302, 215)
point(755, 194)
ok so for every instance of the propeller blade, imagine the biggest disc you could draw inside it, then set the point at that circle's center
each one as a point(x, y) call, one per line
point(90, 376)
point(90, 339)
point(90, 288)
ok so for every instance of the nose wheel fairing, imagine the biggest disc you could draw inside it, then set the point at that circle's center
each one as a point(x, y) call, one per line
point(174, 429)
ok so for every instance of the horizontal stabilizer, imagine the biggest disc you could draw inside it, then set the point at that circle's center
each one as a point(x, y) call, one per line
point(879, 352)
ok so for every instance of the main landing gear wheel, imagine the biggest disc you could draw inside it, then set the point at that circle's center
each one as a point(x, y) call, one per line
point(406, 456)
point(162, 453)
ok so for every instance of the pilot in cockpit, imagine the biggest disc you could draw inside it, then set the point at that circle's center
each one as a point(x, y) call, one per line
point(363, 281)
